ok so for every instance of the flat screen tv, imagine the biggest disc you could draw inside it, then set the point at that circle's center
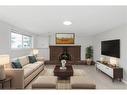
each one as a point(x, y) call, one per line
point(111, 48)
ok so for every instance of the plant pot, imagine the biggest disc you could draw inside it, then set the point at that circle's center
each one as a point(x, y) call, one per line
point(89, 61)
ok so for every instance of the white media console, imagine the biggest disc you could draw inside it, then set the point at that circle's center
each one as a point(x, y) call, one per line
point(111, 71)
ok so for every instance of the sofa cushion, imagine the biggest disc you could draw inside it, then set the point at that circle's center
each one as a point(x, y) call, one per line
point(28, 72)
point(23, 60)
point(16, 64)
point(30, 68)
point(33, 66)
point(38, 64)
point(32, 59)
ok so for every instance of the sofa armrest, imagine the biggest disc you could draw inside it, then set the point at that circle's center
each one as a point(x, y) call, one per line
point(17, 77)
point(40, 59)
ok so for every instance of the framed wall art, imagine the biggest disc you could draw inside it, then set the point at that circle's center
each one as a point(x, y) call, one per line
point(65, 38)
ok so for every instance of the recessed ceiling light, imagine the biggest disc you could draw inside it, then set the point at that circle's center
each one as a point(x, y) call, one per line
point(67, 22)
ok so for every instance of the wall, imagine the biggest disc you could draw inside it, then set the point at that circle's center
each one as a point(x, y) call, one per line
point(40, 42)
point(116, 33)
point(44, 41)
point(5, 45)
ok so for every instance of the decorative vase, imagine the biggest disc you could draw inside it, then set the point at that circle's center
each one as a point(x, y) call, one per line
point(63, 62)
point(2, 72)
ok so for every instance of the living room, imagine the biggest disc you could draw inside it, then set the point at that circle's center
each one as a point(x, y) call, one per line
point(56, 37)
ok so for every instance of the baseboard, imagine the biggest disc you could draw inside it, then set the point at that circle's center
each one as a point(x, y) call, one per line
point(124, 81)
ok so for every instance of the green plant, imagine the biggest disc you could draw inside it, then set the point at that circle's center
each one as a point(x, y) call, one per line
point(89, 52)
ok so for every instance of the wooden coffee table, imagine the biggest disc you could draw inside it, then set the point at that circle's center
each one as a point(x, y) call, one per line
point(63, 74)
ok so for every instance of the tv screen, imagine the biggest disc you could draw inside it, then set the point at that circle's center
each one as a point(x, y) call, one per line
point(111, 48)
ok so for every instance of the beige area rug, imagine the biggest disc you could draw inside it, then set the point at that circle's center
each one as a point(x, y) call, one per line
point(61, 84)
point(102, 80)
point(49, 72)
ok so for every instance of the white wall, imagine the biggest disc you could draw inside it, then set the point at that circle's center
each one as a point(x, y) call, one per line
point(44, 41)
point(117, 33)
point(4, 38)
point(40, 42)
point(5, 45)
point(84, 41)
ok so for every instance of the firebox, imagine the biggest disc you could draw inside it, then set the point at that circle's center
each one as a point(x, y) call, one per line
point(65, 55)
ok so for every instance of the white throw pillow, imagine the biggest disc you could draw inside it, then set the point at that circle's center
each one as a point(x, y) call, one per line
point(23, 60)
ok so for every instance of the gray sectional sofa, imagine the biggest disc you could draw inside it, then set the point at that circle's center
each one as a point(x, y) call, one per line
point(21, 77)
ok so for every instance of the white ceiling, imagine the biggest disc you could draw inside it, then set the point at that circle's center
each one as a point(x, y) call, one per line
point(87, 20)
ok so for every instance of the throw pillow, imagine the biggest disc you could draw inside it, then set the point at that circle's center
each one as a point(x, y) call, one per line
point(32, 59)
point(12, 65)
point(16, 64)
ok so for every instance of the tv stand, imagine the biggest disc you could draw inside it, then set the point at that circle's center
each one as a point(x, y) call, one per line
point(112, 71)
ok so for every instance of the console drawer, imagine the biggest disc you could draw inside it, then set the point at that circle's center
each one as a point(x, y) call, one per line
point(109, 71)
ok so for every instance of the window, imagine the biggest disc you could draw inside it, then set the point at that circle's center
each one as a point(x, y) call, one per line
point(20, 41)
point(27, 42)
point(16, 40)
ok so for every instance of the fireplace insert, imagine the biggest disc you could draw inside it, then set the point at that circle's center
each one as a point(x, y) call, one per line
point(65, 56)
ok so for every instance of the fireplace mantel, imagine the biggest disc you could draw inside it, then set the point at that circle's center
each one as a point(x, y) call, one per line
point(65, 45)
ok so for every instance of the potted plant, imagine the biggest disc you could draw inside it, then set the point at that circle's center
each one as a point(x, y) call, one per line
point(89, 54)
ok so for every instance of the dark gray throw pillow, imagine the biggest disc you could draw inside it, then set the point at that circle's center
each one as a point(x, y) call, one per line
point(16, 64)
point(32, 59)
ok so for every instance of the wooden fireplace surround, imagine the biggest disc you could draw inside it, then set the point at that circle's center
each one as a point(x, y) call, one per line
point(56, 50)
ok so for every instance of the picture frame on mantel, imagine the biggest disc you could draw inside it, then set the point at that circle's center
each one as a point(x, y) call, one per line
point(65, 38)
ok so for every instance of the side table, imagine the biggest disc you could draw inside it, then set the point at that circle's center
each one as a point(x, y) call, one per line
point(7, 79)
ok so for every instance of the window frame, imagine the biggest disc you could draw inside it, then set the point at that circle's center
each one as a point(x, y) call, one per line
point(22, 41)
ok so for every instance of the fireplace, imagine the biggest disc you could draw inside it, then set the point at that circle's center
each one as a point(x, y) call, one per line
point(70, 53)
point(65, 55)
